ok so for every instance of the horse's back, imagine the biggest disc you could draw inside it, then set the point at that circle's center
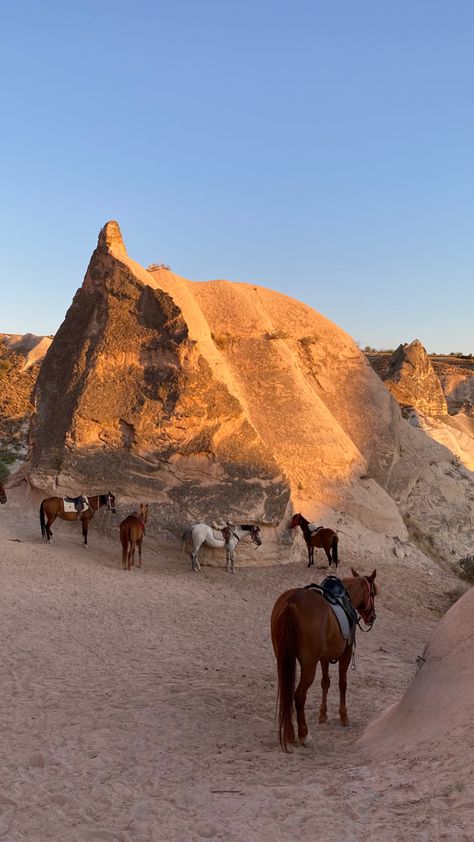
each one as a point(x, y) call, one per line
point(312, 622)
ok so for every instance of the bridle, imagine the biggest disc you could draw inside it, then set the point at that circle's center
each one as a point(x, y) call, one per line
point(369, 606)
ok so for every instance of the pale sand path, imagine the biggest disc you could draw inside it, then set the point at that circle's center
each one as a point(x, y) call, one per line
point(140, 707)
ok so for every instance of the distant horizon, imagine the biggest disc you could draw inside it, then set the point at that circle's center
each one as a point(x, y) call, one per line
point(325, 151)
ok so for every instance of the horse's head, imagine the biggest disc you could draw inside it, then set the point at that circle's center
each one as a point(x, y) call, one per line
point(295, 521)
point(111, 502)
point(3, 496)
point(143, 513)
point(362, 593)
point(256, 535)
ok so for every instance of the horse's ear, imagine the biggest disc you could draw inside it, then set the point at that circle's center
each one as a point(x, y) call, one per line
point(372, 576)
point(355, 573)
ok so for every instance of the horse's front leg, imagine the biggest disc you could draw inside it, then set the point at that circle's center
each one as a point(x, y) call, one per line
point(310, 555)
point(308, 672)
point(85, 524)
point(194, 561)
point(343, 667)
point(325, 684)
point(139, 546)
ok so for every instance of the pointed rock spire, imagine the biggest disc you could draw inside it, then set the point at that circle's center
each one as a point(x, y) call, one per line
point(110, 239)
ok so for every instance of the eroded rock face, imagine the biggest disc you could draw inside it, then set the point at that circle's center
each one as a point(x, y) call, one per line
point(413, 382)
point(20, 358)
point(217, 401)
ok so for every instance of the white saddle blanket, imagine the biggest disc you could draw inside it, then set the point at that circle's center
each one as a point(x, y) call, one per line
point(341, 619)
point(70, 507)
point(315, 527)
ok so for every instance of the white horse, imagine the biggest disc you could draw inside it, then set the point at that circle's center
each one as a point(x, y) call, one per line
point(228, 537)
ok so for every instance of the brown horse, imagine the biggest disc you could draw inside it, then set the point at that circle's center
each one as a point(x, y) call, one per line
point(305, 629)
point(3, 495)
point(53, 507)
point(132, 530)
point(323, 537)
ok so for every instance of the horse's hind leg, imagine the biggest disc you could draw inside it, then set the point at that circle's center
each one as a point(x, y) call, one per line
point(343, 667)
point(194, 561)
point(49, 531)
point(124, 553)
point(308, 672)
point(131, 554)
point(325, 684)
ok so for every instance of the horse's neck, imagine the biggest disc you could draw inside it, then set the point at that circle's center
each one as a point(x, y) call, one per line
point(94, 503)
point(355, 589)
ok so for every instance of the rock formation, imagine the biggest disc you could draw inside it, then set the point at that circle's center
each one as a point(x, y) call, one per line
point(436, 394)
point(222, 400)
point(413, 382)
point(20, 358)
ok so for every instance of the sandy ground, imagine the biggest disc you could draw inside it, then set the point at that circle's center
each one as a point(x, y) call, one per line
point(141, 706)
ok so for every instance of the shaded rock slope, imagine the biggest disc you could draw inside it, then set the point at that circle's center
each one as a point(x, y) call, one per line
point(224, 400)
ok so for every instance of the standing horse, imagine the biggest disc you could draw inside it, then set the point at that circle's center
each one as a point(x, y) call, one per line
point(322, 537)
point(305, 629)
point(53, 507)
point(3, 495)
point(132, 530)
point(201, 533)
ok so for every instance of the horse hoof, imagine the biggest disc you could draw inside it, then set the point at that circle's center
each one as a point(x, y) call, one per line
point(306, 741)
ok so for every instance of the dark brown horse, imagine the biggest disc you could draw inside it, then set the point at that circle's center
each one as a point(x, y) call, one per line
point(132, 530)
point(323, 537)
point(53, 507)
point(3, 495)
point(305, 629)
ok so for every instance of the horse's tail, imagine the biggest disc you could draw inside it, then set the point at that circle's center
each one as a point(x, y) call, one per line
point(44, 531)
point(185, 537)
point(335, 542)
point(285, 645)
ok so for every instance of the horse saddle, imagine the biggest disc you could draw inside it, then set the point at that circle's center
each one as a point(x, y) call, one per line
point(221, 532)
point(314, 527)
point(75, 504)
point(335, 594)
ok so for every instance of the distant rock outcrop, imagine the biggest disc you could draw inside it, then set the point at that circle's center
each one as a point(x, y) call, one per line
point(222, 400)
point(413, 382)
point(436, 394)
point(20, 358)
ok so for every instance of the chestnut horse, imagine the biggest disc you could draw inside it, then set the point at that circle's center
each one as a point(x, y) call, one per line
point(323, 537)
point(305, 629)
point(53, 507)
point(132, 530)
point(3, 495)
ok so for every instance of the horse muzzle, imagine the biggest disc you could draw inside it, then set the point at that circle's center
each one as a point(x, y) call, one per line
point(369, 617)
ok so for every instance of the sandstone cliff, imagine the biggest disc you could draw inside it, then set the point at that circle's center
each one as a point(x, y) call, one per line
point(225, 400)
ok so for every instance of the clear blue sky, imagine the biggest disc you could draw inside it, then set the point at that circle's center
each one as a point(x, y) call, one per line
point(324, 149)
